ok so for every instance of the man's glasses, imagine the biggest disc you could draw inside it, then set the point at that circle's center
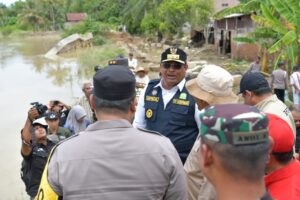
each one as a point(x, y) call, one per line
point(174, 65)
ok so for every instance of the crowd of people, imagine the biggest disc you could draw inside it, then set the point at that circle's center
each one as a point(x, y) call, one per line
point(182, 139)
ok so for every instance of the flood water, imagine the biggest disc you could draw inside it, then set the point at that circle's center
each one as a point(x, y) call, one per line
point(25, 77)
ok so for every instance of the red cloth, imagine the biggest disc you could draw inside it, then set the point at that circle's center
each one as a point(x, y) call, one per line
point(284, 184)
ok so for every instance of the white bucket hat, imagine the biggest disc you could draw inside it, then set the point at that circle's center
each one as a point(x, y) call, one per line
point(213, 85)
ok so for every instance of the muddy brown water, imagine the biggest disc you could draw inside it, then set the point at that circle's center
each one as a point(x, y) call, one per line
point(26, 76)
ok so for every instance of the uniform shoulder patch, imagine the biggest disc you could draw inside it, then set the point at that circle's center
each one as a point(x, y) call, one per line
point(149, 131)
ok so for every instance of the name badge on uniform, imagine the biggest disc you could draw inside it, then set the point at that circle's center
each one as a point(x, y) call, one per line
point(149, 113)
point(152, 98)
point(181, 102)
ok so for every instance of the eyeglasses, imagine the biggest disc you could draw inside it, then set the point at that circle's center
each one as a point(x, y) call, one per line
point(175, 65)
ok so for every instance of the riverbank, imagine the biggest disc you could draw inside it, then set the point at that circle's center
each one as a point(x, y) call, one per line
point(148, 54)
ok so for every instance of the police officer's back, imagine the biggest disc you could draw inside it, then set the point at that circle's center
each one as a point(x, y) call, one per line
point(111, 159)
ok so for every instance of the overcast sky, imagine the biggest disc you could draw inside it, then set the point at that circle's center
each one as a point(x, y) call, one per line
point(8, 2)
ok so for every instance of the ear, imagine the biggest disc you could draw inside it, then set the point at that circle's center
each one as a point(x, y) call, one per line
point(92, 102)
point(271, 145)
point(207, 155)
point(186, 66)
point(160, 67)
point(133, 105)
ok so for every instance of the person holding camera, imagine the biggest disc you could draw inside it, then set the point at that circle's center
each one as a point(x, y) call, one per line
point(35, 150)
point(60, 108)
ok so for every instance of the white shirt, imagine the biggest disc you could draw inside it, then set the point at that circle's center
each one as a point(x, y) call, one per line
point(132, 63)
point(144, 80)
point(295, 80)
point(167, 95)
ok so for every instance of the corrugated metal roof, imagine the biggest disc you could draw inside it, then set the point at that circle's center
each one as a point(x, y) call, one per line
point(234, 15)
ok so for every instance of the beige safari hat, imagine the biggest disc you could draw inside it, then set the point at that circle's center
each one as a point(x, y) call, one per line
point(140, 69)
point(213, 85)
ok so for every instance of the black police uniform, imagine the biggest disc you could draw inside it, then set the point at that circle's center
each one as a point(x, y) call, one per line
point(36, 162)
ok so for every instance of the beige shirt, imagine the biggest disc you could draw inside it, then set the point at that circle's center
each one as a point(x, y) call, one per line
point(113, 160)
point(199, 188)
point(274, 106)
point(83, 101)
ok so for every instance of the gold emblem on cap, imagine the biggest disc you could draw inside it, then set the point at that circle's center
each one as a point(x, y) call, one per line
point(112, 62)
point(149, 113)
point(173, 50)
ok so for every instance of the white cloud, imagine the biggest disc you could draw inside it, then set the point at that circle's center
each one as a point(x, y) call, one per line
point(7, 2)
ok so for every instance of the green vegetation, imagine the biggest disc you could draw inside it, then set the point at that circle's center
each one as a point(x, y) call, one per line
point(162, 17)
point(278, 28)
point(89, 25)
point(89, 59)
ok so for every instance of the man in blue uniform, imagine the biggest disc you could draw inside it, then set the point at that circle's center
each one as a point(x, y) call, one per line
point(167, 107)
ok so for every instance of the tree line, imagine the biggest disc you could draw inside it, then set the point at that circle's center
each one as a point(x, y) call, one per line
point(164, 17)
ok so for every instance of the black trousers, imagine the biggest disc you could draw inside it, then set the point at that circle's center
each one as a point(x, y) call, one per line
point(280, 94)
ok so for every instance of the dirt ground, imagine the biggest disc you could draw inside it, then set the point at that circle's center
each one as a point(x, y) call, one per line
point(148, 54)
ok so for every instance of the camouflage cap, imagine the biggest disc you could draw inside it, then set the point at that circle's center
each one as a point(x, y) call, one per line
point(235, 124)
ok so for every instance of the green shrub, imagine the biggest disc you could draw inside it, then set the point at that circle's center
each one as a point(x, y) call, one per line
point(88, 26)
point(97, 56)
point(7, 30)
point(99, 40)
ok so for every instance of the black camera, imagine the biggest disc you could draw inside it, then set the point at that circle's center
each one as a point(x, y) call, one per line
point(40, 107)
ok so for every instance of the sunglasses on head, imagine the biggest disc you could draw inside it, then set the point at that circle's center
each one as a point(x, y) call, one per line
point(175, 65)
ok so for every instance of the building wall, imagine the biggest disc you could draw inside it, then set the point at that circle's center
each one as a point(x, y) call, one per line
point(221, 4)
point(244, 51)
point(238, 27)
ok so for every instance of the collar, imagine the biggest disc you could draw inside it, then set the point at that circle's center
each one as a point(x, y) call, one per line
point(266, 100)
point(109, 124)
point(180, 85)
point(287, 171)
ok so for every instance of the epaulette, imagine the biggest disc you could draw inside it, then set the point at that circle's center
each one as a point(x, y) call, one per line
point(64, 140)
point(149, 131)
point(60, 142)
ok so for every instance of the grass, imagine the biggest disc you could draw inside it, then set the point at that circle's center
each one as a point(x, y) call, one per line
point(99, 55)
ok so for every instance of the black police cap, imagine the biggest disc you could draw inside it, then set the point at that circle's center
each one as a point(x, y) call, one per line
point(253, 81)
point(174, 54)
point(114, 82)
